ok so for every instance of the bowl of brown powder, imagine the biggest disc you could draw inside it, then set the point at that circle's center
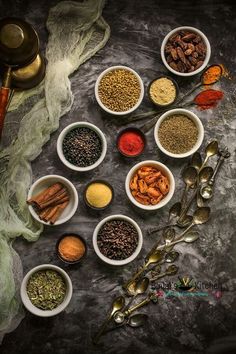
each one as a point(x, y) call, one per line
point(71, 248)
point(179, 133)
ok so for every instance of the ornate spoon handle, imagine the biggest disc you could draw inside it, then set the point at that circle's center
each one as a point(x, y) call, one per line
point(140, 304)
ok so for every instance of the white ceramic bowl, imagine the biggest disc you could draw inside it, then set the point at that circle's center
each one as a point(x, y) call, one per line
point(205, 40)
point(35, 310)
point(161, 167)
point(117, 262)
point(106, 108)
point(194, 118)
point(72, 126)
point(45, 182)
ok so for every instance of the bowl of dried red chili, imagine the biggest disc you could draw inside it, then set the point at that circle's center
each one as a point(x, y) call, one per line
point(150, 185)
point(131, 142)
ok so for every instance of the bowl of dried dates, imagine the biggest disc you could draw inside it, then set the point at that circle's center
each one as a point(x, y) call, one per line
point(185, 51)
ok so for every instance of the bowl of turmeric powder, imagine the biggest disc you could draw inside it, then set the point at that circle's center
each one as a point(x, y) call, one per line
point(71, 248)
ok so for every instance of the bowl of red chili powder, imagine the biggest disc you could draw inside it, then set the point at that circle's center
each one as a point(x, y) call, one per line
point(131, 142)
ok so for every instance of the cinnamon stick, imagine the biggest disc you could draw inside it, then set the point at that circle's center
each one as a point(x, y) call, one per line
point(45, 194)
point(60, 209)
point(52, 201)
point(44, 212)
point(51, 213)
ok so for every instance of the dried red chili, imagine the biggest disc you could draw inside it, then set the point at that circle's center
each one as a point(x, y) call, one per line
point(208, 99)
point(131, 143)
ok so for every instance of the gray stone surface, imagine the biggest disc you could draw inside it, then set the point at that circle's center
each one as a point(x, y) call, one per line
point(175, 325)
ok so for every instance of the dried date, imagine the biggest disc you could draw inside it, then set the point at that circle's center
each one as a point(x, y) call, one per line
point(185, 51)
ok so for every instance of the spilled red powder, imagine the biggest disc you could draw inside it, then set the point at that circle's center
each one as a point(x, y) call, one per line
point(208, 99)
point(131, 143)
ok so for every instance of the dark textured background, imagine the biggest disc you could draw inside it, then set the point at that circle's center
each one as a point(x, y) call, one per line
point(175, 325)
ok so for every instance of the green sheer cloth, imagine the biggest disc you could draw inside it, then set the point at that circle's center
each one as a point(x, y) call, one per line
point(76, 32)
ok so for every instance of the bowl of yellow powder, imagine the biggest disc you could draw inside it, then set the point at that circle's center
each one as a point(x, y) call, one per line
point(163, 91)
point(98, 194)
point(71, 248)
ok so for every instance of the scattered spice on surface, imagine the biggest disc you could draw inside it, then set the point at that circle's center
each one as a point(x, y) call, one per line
point(225, 72)
point(46, 289)
point(149, 186)
point(185, 51)
point(98, 194)
point(131, 142)
point(50, 203)
point(117, 239)
point(212, 75)
point(82, 147)
point(119, 90)
point(178, 134)
point(208, 99)
point(162, 91)
point(71, 248)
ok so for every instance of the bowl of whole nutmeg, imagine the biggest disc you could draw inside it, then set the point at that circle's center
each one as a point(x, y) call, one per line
point(185, 51)
point(119, 90)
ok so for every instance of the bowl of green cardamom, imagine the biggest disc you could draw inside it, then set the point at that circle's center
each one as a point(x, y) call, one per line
point(46, 290)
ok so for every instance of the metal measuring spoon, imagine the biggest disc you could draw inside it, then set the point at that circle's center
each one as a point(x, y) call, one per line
point(174, 214)
point(207, 189)
point(134, 321)
point(204, 176)
point(211, 150)
point(196, 160)
point(171, 270)
point(117, 305)
point(200, 216)
point(188, 238)
point(168, 236)
point(170, 257)
point(190, 175)
point(139, 288)
point(153, 257)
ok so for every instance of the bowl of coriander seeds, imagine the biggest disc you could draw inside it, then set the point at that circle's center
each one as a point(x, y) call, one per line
point(179, 133)
point(119, 90)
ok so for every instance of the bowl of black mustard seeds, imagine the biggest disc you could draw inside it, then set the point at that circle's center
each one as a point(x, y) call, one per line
point(81, 146)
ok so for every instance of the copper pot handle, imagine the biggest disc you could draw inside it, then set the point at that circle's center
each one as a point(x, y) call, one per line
point(4, 95)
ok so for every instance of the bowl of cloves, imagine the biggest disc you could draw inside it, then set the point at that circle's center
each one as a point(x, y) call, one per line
point(117, 240)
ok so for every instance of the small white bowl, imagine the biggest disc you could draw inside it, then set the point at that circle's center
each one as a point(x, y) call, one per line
point(205, 40)
point(35, 310)
point(72, 126)
point(123, 261)
point(161, 167)
point(45, 182)
point(106, 108)
point(190, 115)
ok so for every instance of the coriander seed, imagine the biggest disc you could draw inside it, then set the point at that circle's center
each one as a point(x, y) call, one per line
point(178, 134)
point(119, 90)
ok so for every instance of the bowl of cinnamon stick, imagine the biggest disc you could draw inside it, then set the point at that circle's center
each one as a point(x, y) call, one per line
point(52, 200)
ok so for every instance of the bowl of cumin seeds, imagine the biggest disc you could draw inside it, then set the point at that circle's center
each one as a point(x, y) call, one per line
point(179, 133)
